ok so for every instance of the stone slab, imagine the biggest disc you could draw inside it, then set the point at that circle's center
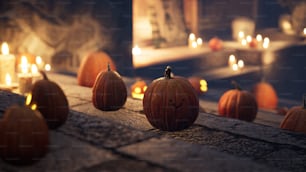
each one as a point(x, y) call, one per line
point(123, 116)
point(65, 154)
point(190, 157)
point(101, 132)
point(252, 130)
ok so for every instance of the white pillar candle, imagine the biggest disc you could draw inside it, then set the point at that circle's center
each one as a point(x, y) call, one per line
point(191, 40)
point(231, 60)
point(7, 63)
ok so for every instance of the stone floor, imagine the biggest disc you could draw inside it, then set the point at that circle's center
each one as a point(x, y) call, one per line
point(93, 140)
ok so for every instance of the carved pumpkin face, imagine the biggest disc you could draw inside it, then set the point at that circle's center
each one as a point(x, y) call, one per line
point(138, 89)
point(170, 103)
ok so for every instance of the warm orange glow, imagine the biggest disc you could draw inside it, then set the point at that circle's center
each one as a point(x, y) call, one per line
point(138, 89)
point(240, 64)
point(38, 60)
point(8, 79)
point(28, 102)
point(231, 60)
point(203, 85)
point(136, 50)
point(5, 49)
point(34, 69)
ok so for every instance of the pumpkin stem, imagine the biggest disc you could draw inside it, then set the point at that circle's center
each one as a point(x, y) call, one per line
point(236, 85)
point(43, 74)
point(167, 73)
point(108, 67)
point(304, 100)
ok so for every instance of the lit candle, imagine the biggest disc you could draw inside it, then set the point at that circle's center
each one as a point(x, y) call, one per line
point(35, 74)
point(235, 67)
point(240, 64)
point(304, 31)
point(136, 50)
point(199, 42)
point(244, 42)
point(7, 63)
point(266, 43)
point(191, 40)
point(231, 60)
point(25, 77)
point(8, 83)
point(249, 38)
point(259, 38)
point(47, 67)
point(39, 62)
point(194, 44)
point(240, 35)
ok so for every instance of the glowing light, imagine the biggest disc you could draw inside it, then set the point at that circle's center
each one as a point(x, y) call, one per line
point(8, 79)
point(38, 60)
point(24, 65)
point(235, 67)
point(259, 38)
point(34, 69)
point(192, 37)
point(243, 42)
point(231, 60)
point(240, 63)
point(199, 41)
point(136, 50)
point(203, 84)
point(240, 35)
point(48, 67)
point(304, 31)
point(33, 106)
point(28, 99)
point(194, 44)
point(137, 90)
point(5, 49)
point(249, 39)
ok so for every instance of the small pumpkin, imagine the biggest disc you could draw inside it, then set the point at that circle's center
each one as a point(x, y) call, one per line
point(295, 119)
point(138, 89)
point(253, 43)
point(91, 66)
point(170, 103)
point(199, 84)
point(239, 104)
point(51, 101)
point(24, 135)
point(265, 95)
point(215, 44)
point(109, 91)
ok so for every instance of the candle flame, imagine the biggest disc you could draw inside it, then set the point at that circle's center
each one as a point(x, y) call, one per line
point(192, 36)
point(38, 60)
point(24, 64)
point(8, 79)
point(34, 69)
point(5, 49)
point(235, 67)
point(241, 34)
point(240, 63)
point(47, 67)
point(136, 50)
point(203, 84)
point(194, 44)
point(259, 37)
point(199, 41)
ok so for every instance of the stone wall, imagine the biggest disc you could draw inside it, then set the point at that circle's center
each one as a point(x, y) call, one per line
point(63, 32)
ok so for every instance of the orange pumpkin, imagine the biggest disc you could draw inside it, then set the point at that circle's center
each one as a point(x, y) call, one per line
point(109, 91)
point(51, 101)
point(265, 95)
point(91, 66)
point(215, 44)
point(199, 84)
point(253, 43)
point(138, 89)
point(295, 119)
point(239, 104)
point(24, 135)
point(170, 103)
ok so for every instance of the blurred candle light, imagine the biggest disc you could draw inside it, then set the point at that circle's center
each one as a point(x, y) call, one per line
point(235, 67)
point(39, 62)
point(7, 63)
point(240, 35)
point(199, 42)
point(231, 60)
point(249, 38)
point(244, 42)
point(259, 37)
point(24, 65)
point(304, 31)
point(194, 44)
point(136, 50)
point(240, 64)
point(266, 43)
point(48, 67)
point(191, 40)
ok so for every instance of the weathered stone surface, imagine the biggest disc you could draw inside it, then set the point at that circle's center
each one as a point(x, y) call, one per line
point(7, 99)
point(222, 141)
point(123, 116)
point(252, 130)
point(190, 157)
point(100, 131)
point(65, 154)
point(120, 165)
point(287, 159)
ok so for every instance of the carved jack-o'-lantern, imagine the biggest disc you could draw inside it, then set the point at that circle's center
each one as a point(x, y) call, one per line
point(138, 89)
